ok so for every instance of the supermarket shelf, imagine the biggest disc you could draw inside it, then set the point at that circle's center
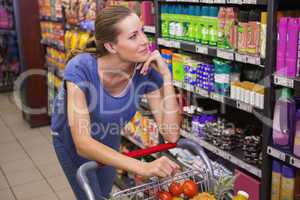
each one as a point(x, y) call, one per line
point(7, 31)
point(239, 2)
point(211, 51)
point(217, 97)
point(149, 29)
point(233, 157)
point(287, 158)
point(52, 19)
point(58, 72)
point(77, 27)
point(287, 82)
point(53, 45)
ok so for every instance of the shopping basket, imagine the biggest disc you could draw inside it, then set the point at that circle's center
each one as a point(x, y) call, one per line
point(148, 191)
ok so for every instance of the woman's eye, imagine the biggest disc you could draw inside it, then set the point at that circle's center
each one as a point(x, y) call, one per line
point(133, 37)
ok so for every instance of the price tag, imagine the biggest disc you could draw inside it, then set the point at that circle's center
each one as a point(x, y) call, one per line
point(276, 153)
point(217, 97)
point(295, 162)
point(220, 1)
point(201, 49)
point(175, 44)
point(161, 41)
point(177, 83)
point(253, 60)
point(225, 54)
point(244, 106)
point(252, 2)
point(202, 92)
point(190, 88)
point(283, 81)
point(241, 58)
point(149, 29)
point(235, 1)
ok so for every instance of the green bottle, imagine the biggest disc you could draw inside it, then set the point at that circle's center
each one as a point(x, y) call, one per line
point(198, 24)
point(164, 21)
point(205, 25)
point(213, 26)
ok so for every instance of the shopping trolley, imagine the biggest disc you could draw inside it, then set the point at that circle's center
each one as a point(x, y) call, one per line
point(148, 191)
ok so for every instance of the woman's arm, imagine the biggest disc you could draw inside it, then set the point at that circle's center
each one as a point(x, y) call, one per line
point(87, 147)
point(166, 111)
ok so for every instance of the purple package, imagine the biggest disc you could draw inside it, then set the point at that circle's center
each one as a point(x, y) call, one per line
point(298, 58)
point(292, 50)
point(281, 45)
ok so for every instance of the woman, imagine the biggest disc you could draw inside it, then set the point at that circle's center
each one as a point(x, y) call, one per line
point(100, 95)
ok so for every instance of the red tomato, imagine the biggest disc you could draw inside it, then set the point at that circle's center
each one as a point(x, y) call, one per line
point(190, 188)
point(175, 189)
point(163, 195)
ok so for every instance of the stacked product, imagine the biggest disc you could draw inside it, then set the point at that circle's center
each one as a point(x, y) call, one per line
point(252, 149)
point(167, 55)
point(248, 92)
point(50, 8)
point(80, 13)
point(288, 46)
point(221, 134)
point(76, 40)
point(55, 58)
point(222, 27)
point(6, 16)
point(53, 33)
point(142, 129)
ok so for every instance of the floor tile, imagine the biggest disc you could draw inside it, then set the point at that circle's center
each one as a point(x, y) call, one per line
point(6, 135)
point(59, 183)
point(44, 156)
point(32, 190)
point(51, 196)
point(51, 169)
point(18, 165)
point(21, 131)
point(35, 143)
point(3, 182)
point(6, 194)
point(66, 194)
point(11, 151)
point(23, 177)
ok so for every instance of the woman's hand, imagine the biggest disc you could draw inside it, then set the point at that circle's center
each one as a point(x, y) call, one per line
point(155, 60)
point(162, 167)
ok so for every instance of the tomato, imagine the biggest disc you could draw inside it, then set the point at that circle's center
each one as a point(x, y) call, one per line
point(190, 188)
point(163, 195)
point(175, 189)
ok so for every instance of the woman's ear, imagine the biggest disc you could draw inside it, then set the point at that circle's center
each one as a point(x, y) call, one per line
point(110, 47)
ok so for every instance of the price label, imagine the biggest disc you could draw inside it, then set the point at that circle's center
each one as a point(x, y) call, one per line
point(241, 58)
point(217, 97)
point(175, 44)
point(177, 83)
point(149, 29)
point(295, 162)
point(220, 1)
point(235, 1)
point(190, 88)
point(201, 49)
point(252, 2)
point(202, 92)
point(276, 153)
point(283, 81)
point(253, 60)
point(244, 106)
point(225, 54)
point(161, 41)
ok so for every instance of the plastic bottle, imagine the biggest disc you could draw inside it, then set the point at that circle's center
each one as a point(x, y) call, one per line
point(164, 21)
point(198, 31)
point(213, 26)
point(221, 27)
point(204, 25)
point(231, 34)
point(287, 187)
point(263, 34)
point(291, 55)
point(284, 121)
point(243, 32)
point(241, 195)
point(281, 45)
point(254, 33)
point(276, 180)
point(297, 135)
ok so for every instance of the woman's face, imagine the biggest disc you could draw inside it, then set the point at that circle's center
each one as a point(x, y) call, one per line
point(132, 43)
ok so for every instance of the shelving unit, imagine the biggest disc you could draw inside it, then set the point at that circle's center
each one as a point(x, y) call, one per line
point(229, 2)
point(210, 51)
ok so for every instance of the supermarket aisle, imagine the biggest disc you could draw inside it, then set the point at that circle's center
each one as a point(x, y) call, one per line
point(29, 169)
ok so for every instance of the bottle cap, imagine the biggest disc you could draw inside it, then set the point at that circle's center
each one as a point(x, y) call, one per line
point(254, 16)
point(243, 16)
point(288, 172)
point(213, 11)
point(205, 11)
point(264, 17)
point(276, 166)
point(286, 93)
point(243, 193)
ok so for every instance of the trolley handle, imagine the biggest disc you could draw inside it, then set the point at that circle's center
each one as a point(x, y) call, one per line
point(182, 143)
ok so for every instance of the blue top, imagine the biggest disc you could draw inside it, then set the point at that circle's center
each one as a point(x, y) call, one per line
point(108, 114)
